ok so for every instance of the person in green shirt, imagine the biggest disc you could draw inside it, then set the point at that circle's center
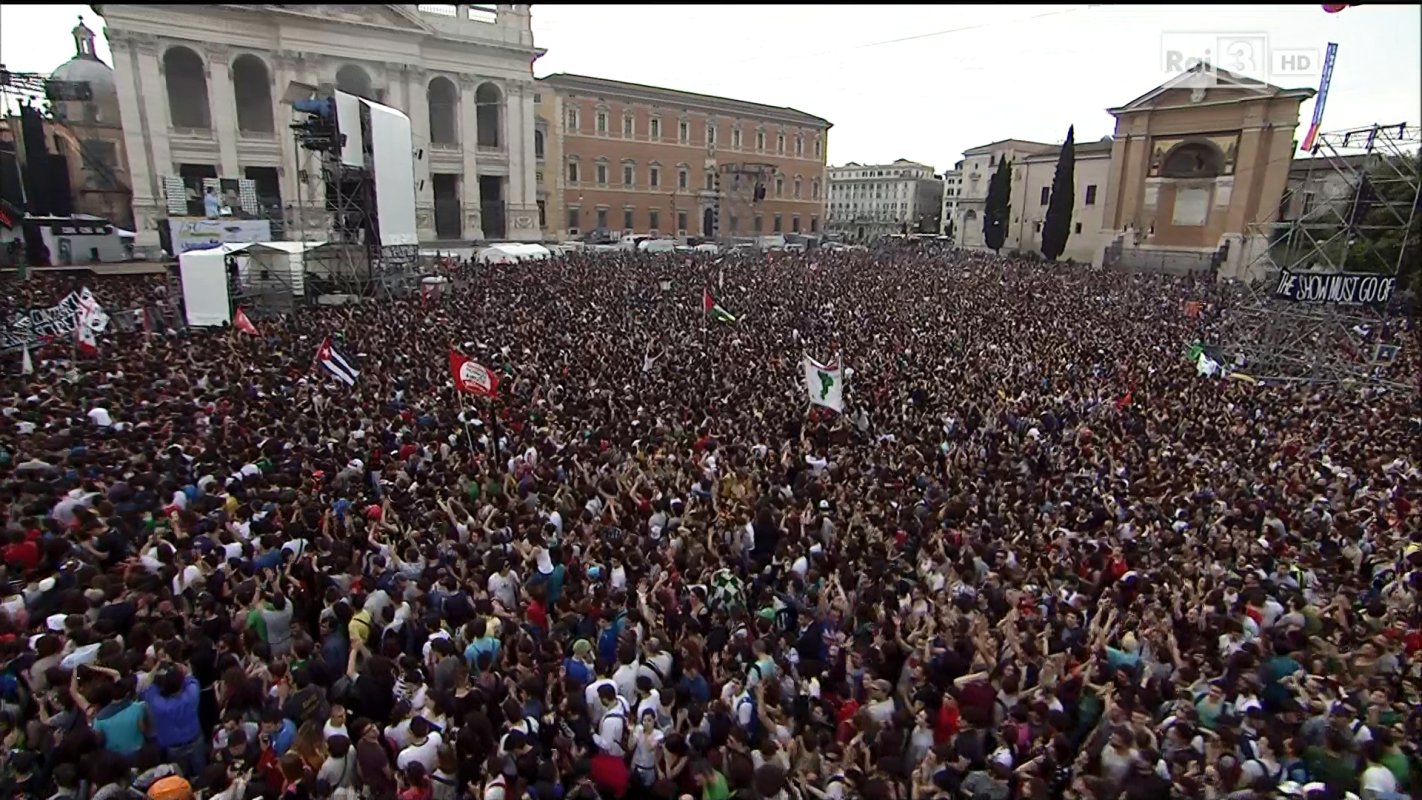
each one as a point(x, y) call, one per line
point(1334, 763)
point(713, 784)
point(1393, 758)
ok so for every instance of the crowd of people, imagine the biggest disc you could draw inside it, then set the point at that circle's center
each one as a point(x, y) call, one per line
point(1037, 556)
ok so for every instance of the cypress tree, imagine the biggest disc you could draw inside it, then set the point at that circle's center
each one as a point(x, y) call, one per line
point(997, 206)
point(1056, 228)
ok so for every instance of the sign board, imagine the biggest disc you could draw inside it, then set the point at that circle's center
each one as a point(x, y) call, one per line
point(201, 234)
point(1338, 288)
point(80, 228)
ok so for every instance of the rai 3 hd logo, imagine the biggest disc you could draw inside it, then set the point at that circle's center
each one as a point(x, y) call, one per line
point(1247, 57)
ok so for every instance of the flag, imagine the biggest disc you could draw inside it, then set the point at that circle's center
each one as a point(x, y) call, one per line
point(1207, 366)
point(471, 377)
point(711, 307)
point(241, 323)
point(649, 362)
point(1125, 400)
point(84, 337)
point(825, 383)
point(27, 365)
point(1193, 354)
point(1192, 308)
point(335, 363)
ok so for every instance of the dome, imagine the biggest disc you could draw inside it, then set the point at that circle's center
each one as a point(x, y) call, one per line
point(86, 66)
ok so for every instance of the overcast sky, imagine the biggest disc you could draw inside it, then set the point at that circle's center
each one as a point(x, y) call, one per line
point(925, 82)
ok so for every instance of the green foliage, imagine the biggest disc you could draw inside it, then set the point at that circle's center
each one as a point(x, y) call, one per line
point(1056, 228)
point(997, 206)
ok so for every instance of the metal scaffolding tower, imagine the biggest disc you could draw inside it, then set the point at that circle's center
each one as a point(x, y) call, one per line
point(1362, 199)
point(740, 190)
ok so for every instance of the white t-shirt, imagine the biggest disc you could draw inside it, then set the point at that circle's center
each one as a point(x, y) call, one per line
point(423, 753)
point(1378, 779)
point(100, 416)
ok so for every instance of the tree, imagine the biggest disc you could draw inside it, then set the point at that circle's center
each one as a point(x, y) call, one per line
point(1056, 228)
point(997, 206)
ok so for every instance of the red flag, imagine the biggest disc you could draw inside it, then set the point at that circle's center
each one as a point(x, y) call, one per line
point(1125, 400)
point(471, 377)
point(87, 343)
point(707, 301)
point(1192, 308)
point(241, 323)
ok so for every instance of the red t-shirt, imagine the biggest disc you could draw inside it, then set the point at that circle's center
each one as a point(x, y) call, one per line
point(537, 615)
point(25, 555)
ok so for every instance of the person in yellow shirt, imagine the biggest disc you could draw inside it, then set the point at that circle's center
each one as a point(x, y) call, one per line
point(360, 627)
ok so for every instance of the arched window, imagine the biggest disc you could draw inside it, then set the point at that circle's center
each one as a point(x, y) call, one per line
point(797, 187)
point(444, 111)
point(489, 102)
point(815, 189)
point(538, 143)
point(1193, 160)
point(186, 77)
point(252, 88)
point(352, 79)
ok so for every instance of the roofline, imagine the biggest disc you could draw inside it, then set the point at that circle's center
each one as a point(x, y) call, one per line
point(1282, 94)
point(894, 165)
point(571, 81)
point(983, 148)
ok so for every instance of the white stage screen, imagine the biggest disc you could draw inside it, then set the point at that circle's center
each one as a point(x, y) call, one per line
point(348, 123)
point(204, 274)
point(394, 155)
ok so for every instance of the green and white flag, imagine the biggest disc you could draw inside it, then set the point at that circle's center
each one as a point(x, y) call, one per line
point(825, 383)
point(713, 309)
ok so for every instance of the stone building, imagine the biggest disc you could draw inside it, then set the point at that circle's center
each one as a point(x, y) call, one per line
point(872, 200)
point(200, 93)
point(642, 159)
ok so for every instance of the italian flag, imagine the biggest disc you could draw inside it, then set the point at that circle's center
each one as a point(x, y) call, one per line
point(712, 308)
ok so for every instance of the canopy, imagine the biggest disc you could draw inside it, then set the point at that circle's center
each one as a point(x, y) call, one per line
point(510, 252)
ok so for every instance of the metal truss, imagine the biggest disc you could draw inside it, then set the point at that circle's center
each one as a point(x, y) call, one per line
point(1376, 191)
point(735, 195)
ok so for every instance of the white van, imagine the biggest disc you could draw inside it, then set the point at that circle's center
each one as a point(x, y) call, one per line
point(648, 245)
point(632, 240)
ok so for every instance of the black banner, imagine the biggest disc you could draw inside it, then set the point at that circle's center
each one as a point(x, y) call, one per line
point(1341, 288)
point(79, 228)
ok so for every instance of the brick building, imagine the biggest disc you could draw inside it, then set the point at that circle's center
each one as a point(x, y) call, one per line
point(642, 159)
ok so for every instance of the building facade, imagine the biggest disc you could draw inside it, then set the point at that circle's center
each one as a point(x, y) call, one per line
point(641, 159)
point(872, 200)
point(1032, 178)
point(200, 93)
point(978, 165)
point(952, 189)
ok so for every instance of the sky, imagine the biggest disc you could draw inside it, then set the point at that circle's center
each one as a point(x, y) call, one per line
point(927, 82)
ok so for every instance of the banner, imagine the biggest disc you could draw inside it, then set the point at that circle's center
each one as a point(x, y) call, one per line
point(57, 321)
point(1340, 288)
point(202, 234)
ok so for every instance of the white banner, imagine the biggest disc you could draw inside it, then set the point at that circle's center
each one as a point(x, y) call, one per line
point(202, 234)
point(57, 321)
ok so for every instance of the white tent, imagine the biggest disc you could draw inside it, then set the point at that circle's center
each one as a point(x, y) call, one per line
point(511, 252)
point(279, 262)
point(204, 277)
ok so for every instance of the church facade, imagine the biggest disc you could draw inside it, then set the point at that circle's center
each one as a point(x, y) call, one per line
point(200, 92)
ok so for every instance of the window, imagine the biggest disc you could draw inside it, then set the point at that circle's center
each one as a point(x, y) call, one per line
point(601, 174)
point(736, 138)
point(627, 221)
point(655, 129)
point(992, 161)
point(1046, 194)
point(814, 224)
point(1078, 227)
point(797, 189)
point(602, 122)
point(1037, 226)
point(758, 223)
point(760, 140)
point(683, 131)
point(710, 181)
point(735, 224)
point(776, 222)
point(573, 214)
point(815, 189)
point(817, 147)
point(780, 143)
point(572, 172)
point(710, 133)
point(654, 218)
point(680, 221)
point(542, 213)
point(627, 127)
point(655, 177)
point(1091, 194)
point(602, 218)
point(537, 98)
point(572, 120)
point(779, 187)
point(681, 180)
point(799, 146)
point(795, 223)
point(629, 177)
point(538, 177)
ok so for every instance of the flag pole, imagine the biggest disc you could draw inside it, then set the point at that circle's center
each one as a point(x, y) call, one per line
point(463, 412)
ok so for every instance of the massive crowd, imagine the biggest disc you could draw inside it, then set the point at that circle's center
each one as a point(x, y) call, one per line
point(1037, 556)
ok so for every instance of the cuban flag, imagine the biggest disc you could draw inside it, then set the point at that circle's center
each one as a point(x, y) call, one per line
point(335, 363)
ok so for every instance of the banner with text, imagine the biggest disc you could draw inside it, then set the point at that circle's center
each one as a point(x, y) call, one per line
point(1340, 288)
point(58, 321)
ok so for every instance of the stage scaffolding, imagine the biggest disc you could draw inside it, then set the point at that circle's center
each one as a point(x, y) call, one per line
point(1360, 205)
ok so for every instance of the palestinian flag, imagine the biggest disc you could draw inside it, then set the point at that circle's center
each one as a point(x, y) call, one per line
point(713, 309)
